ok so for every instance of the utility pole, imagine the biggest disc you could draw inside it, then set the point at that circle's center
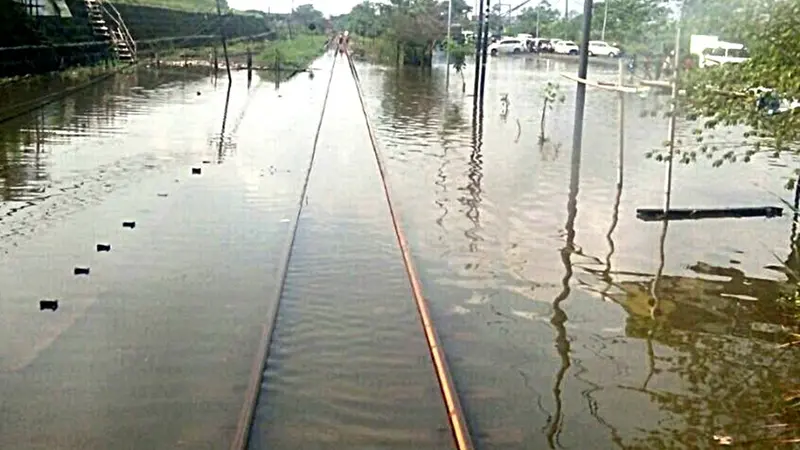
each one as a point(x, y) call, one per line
point(580, 94)
point(673, 110)
point(224, 42)
point(449, 37)
point(478, 41)
point(605, 19)
point(485, 46)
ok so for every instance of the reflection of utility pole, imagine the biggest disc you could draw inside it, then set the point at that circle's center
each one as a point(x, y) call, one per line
point(605, 19)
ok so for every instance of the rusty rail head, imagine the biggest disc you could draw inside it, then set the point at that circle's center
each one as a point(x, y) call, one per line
point(455, 413)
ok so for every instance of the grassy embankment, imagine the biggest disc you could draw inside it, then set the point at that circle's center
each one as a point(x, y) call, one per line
point(205, 6)
point(283, 53)
point(73, 74)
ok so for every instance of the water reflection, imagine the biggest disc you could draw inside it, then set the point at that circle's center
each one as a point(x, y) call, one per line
point(472, 200)
point(618, 371)
point(28, 144)
point(559, 318)
point(606, 275)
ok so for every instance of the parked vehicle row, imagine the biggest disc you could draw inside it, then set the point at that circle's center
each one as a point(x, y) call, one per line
point(525, 43)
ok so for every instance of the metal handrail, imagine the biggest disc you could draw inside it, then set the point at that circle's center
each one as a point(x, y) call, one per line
point(122, 29)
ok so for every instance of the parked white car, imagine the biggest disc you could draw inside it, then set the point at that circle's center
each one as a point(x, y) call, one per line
point(602, 48)
point(507, 45)
point(566, 48)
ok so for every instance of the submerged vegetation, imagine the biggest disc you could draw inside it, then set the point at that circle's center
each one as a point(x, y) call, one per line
point(402, 31)
point(78, 73)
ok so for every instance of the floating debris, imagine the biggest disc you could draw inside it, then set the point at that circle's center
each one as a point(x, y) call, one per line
point(196, 171)
point(103, 247)
point(50, 305)
point(163, 195)
point(723, 440)
point(81, 271)
point(129, 225)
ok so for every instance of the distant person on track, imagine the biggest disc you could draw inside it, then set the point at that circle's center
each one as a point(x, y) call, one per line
point(338, 42)
point(344, 42)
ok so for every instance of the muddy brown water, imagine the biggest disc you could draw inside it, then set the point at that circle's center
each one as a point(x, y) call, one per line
point(541, 294)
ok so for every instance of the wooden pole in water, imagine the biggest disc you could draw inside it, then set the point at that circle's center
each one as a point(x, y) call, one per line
point(249, 67)
point(673, 107)
point(620, 80)
point(224, 42)
point(216, 60)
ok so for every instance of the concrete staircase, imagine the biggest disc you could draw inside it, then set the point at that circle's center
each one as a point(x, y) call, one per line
point(113, 30)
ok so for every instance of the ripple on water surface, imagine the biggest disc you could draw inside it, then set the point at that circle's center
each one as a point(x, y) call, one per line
point(546, 321)
point(349, 367)
point(162, 334)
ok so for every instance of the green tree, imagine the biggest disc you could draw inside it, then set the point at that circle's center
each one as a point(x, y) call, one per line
point(364, 20)
point(308, 17)
point(725, 95)
point(636, 24)
point(544, 14)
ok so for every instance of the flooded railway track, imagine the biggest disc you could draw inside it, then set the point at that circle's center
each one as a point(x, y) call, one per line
point(255, 390)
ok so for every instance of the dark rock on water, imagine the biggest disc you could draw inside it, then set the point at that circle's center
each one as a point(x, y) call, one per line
point(50, 305)
point(103, 247)
point(81, 271)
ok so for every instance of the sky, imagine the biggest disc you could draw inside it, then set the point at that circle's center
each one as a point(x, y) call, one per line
point(336, 7)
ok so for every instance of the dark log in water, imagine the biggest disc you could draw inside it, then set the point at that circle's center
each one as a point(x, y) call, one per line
point(652, 214)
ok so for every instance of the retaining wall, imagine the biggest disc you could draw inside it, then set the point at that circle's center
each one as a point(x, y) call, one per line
point(30, 45)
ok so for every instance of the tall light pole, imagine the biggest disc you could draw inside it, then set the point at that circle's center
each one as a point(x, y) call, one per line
point(605, 19)
point(449, 27)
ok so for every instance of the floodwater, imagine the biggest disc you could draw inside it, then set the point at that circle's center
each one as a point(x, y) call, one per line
point(540, 277)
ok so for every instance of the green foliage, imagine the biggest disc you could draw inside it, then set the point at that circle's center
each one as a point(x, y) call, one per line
point(308, 18)
point(412, 27)
point(292, 53)
point(637, 25)
point(725, 96)
point(551, 94)
point(458, 54)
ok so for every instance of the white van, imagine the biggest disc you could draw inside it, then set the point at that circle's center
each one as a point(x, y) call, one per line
point(725, 52)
